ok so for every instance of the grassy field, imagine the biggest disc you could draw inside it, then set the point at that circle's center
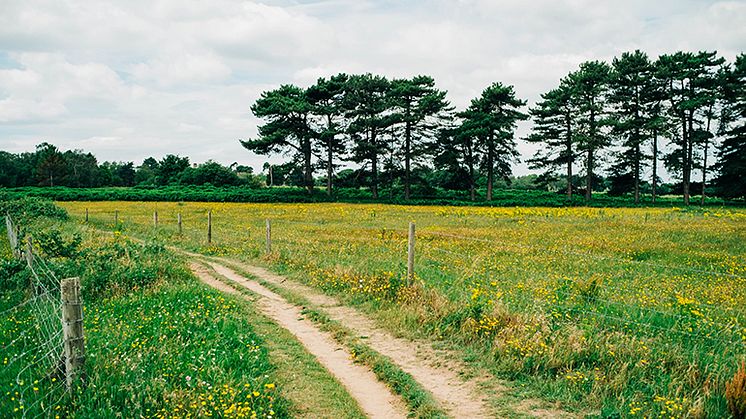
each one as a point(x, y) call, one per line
point(159, 343)
point(618, 312)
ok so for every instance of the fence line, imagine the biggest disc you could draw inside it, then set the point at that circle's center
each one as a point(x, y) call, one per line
point(724, 328)
point(39, 346)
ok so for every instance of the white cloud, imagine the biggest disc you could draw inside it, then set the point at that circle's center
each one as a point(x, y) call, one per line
point(127, 80)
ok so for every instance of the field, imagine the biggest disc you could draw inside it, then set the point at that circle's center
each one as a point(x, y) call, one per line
point(617, 312)
point(159, 344)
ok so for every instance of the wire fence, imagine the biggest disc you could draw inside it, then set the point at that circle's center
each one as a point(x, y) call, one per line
point(605, 304)
point(33, 351)
point(609, 304)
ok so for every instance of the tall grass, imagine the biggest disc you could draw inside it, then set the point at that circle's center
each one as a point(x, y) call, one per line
point(618, 311)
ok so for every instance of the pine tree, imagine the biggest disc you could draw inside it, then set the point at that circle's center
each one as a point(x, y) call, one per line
point(553, 130)
point(418, 107)
point(731, 164)
point(287, 129)
point(632, 91)
point(491, 121)
point(590, 86)
point(326, 98)
point(367, 106)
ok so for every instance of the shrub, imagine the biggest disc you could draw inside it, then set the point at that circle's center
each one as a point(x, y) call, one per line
point(122, 266)
point(53, 244)
point(13, 274)
point(25, 208)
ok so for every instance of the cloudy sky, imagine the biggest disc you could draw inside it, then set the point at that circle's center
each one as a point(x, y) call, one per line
point(131, 79)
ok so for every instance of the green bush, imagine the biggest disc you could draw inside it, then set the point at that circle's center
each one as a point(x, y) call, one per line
point(25, 207)
point(53, 244)
point(206, 193)
point(13, 274)
point(121, 266)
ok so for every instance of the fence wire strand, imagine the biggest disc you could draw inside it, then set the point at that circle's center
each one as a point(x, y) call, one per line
point(34, 356)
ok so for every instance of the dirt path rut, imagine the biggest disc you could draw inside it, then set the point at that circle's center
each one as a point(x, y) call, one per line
point(375, 399)
point(458, 397)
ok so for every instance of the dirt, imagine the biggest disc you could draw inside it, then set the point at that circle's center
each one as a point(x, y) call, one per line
point(374, 398)
point(458, 397)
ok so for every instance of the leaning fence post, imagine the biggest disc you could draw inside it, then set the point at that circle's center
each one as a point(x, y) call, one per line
point(410, 255)
point(116, 219)
point(86, 215)
point(72, 330)
point(178, 221)
point(269, 236)
point(29, 251)
point(155, 219)
point(209, 226)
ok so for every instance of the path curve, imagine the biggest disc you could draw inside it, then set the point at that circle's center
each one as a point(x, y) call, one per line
point(458, 397)
point(375, 399)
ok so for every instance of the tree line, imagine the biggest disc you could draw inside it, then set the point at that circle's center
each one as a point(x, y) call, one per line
point(48, 166)
point(604, 127)
point(684, 110)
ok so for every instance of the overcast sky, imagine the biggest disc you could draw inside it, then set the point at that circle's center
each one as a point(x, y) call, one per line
point(132, 79)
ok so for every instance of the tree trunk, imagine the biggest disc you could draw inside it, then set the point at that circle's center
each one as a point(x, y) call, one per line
point(589, 157)
point(589, 174)
point(329, 156)
point(374, 164)
point(655, 162)
point(307, 170)
point(637, 147)
point(704, 159)
point(470, 156)
point(490, 165)
point(685, 158)
point(568, 150)
point(637, 173)
point(689, 156)
point(407, 157)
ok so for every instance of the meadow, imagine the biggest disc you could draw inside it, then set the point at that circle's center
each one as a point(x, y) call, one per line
point(610, 312)
point(159, 343)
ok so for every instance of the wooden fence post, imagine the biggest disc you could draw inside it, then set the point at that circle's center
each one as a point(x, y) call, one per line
point(209, 226)
point(410, 255)
point(86, 215)
point(155, 219)
point(72, 330)
point(269, 236)
point(29, 251)
point(116, 218)
point(178, 221)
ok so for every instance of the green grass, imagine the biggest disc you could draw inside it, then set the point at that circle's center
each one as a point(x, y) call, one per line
point(159, 343)
point(605, 310)
point(419, 401)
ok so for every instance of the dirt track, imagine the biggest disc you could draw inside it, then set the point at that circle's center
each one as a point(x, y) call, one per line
point(458, 397)
point(375, 399)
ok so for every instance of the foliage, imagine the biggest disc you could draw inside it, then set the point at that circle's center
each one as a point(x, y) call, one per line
point(158, 344)
point(501, 197)
point(732, 163)
point(53, 244)
point(560, 300)
point(23, 207)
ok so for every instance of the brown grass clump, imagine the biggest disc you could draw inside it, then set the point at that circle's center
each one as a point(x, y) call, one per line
point(735, 393)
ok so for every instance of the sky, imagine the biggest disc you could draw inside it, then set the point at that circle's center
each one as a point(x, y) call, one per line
point(131, 79)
